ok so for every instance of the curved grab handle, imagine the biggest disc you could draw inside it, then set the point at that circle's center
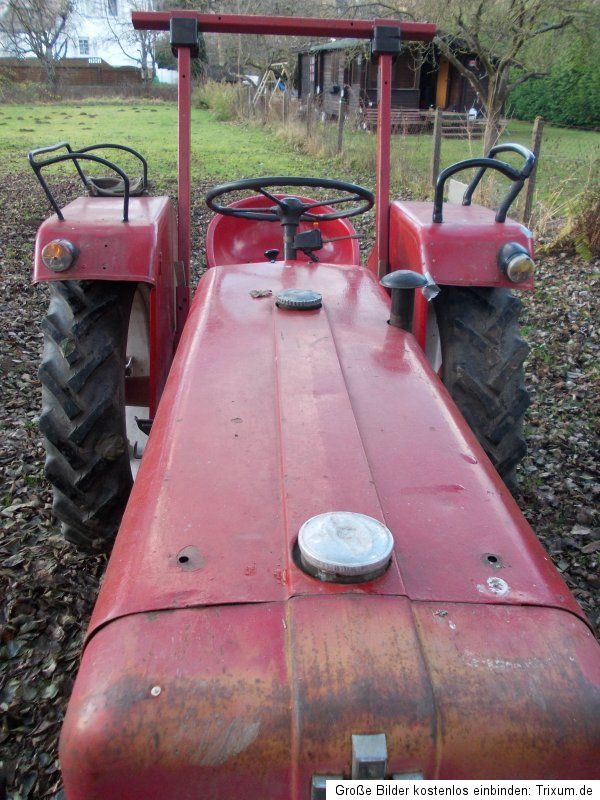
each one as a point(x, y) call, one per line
point(48, 149)
point(75, 156)
point(518, 176)
point(133, 152)
point(51, 148)
point(525, 171)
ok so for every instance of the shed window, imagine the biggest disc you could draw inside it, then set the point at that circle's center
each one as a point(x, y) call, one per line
point(406, 72)
point(335, 68)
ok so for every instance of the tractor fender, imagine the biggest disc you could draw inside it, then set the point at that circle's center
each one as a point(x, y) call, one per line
point(140, 250)
point(460, 251)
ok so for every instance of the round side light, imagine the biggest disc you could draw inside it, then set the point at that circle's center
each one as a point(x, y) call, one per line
point(344, 547)
point(59, 254)
point(515, 262)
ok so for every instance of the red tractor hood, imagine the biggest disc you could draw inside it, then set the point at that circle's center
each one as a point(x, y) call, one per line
point(271, 416)
point(216, 669)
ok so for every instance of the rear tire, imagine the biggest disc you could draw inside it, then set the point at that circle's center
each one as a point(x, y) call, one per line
point(83, 407)
point(482, 367)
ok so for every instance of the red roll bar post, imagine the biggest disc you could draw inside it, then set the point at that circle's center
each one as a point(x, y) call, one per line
point(184, 43)
point(184, 197)
point(382, 193)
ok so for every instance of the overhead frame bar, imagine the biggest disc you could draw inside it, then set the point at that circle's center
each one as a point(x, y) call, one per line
point(282, 26)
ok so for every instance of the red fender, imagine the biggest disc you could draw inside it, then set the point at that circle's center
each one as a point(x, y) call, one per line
point(142, 250)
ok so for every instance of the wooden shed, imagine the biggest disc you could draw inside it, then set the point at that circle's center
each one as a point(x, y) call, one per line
point(419, 81)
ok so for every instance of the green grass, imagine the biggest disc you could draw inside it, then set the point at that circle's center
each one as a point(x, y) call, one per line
point(567, 156)
point(229, 151)
point(219, 150)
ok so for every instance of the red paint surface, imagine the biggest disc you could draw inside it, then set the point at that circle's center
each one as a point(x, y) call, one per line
point(282, 26)
point(264, 673)
point(240, 241)
point(270, 417)
point(461, 251)
point(110, 249)
point(255, 699)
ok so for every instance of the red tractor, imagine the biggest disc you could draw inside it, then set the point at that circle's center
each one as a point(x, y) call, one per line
point(319, 570)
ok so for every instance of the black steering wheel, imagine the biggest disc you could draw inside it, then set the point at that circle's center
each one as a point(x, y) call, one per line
point(290, 211)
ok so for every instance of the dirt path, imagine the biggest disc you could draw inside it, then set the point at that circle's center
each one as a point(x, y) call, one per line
point(48, 590)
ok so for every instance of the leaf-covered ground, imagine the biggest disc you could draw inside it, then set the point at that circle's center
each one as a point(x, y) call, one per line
point(47, 590)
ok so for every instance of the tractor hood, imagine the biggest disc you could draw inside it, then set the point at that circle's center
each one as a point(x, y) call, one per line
point(255, 700)
point(271, 416)
point(216, 668)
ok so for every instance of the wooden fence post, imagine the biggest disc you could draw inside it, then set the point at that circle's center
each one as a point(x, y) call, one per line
point(437, 145)
point(309, 114)
point(536, 145)
point(341, 121)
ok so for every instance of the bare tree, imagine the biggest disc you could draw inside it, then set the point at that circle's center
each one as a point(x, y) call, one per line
point(136, 45)
point(254, 51)
point(38, 27)
point(500, 34)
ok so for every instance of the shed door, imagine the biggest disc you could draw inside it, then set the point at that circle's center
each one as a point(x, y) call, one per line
point(443, 84)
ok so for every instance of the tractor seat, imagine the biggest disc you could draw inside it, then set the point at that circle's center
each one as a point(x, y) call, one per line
point(240, 241)
point(114, 186)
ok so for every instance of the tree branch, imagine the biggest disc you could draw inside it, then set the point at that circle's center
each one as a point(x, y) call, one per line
point(552, 26)
point(525, 77)
point(464, 71)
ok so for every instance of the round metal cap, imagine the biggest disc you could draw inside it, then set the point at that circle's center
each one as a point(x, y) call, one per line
point(343, 546)
point(299, 299)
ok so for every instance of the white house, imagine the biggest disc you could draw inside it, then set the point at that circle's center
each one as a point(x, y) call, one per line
point(95, 26)
point(103, 29)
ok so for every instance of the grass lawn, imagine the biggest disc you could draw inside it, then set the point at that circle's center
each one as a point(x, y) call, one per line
point(567, 157)
point(220, 150)
point(230, 151)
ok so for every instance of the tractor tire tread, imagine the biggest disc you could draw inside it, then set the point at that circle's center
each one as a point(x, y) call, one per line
point(483, 356)
point(83, 407)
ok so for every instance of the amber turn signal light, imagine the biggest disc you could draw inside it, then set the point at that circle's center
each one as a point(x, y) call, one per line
point(515, 262)
point(59, 255)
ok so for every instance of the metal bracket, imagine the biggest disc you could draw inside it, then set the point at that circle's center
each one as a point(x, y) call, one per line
point(387, 41)
point(184, 33)
point(369, 757)
point(145, 425)
point(369, 762)
point(318, 790)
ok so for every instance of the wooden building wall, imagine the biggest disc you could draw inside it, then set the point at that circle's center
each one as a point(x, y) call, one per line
point(405, 82)
point(413, 86)
point(325, 73)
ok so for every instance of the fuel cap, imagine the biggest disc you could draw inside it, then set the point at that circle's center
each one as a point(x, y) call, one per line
point(344, 547)
point(299, 299)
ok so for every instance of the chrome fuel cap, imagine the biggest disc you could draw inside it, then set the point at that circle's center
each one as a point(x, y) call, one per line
point(344, 547)
point(299, 299)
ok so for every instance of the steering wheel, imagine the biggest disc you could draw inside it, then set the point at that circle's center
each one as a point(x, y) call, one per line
point(290, 211)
